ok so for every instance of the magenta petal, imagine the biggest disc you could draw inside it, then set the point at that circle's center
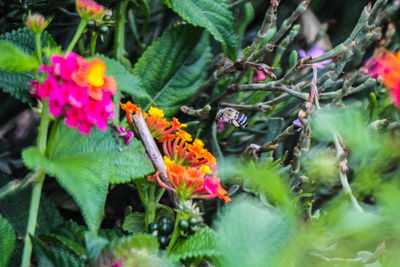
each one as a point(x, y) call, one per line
point(117, 264)
point(78, 96)
point(84, 127)
point(210, 186)
point(221, 125)
point(55, 108)
point(260, 76)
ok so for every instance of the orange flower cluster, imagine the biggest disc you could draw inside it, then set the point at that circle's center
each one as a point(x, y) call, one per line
point(191, 168)
point(387, 66)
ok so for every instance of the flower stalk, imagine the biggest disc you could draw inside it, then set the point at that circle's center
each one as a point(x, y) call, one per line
point(78, 33)
point(37, 187)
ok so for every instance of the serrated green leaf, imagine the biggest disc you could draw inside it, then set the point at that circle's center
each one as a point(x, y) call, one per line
point(7, 241)
point(249, 234)
point(173, 68)
point(71, 230)
point(134, 223)
point(85, 165)
point(13, 59)
point(16, 83)
point(53, 257)
point(25, 39)
point(71, 244)
point(202, 244)
point(213, 15)
point(126, 82)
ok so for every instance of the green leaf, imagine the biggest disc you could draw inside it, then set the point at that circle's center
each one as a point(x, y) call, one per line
point(140, 250)
point(16, 83)
point(249, 234)
point(25, 40)
point(71, 230)
point(71, 244)
point(134, 223)
point(213, 15)
point(7, 241)
point(85, 165)
point(126, 82)
point(94, 245)
point(15, 208)
point(13, 59)
point(173, 68)
point(53, 257)
point(202, 244)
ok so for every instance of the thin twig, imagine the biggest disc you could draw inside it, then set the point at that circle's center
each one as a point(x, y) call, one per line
point(152, 150)
point(255, 150)
point(256, 107)
point(270, 86)
point(269, 20)
point(343, 167)
point(287, 23)
point(196, 112)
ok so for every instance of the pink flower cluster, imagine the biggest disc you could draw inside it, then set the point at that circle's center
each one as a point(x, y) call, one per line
point(78, 89)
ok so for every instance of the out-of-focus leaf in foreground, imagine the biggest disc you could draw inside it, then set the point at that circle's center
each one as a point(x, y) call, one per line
point(250, 234)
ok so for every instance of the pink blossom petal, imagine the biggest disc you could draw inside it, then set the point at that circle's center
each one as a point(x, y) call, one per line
point(221, 125)
point(117, 264)
point(260, 76)
point(78, 96)
point(210, 186)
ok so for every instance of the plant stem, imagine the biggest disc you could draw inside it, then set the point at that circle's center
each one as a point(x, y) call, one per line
point(175, 234)
point(150, 206)
point(93, 40)
point(78, 34)
point(119, 50)
point(38, 48)
point(37, 187)
point(340, 155)
point(159, 194)
point(119, 39)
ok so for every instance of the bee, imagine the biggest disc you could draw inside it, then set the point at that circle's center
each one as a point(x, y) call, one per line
point(232, 116)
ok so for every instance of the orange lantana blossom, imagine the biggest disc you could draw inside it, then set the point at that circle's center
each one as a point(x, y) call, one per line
point(191, 168)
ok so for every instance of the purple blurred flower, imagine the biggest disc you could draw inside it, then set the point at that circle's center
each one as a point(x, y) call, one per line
point(126, 134)
point(298, 124)
point(260, 76)
point(315, 52)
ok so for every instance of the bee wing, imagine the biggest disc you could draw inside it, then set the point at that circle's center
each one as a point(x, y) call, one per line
point(235, 123)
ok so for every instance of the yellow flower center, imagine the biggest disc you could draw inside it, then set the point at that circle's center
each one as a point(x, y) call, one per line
point(205, 169)
point(96, 73)
point(156, 112)
point(168, 162)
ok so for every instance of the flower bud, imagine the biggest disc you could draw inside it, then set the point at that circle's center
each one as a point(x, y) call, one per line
point(89, 9)
point(36, 23)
